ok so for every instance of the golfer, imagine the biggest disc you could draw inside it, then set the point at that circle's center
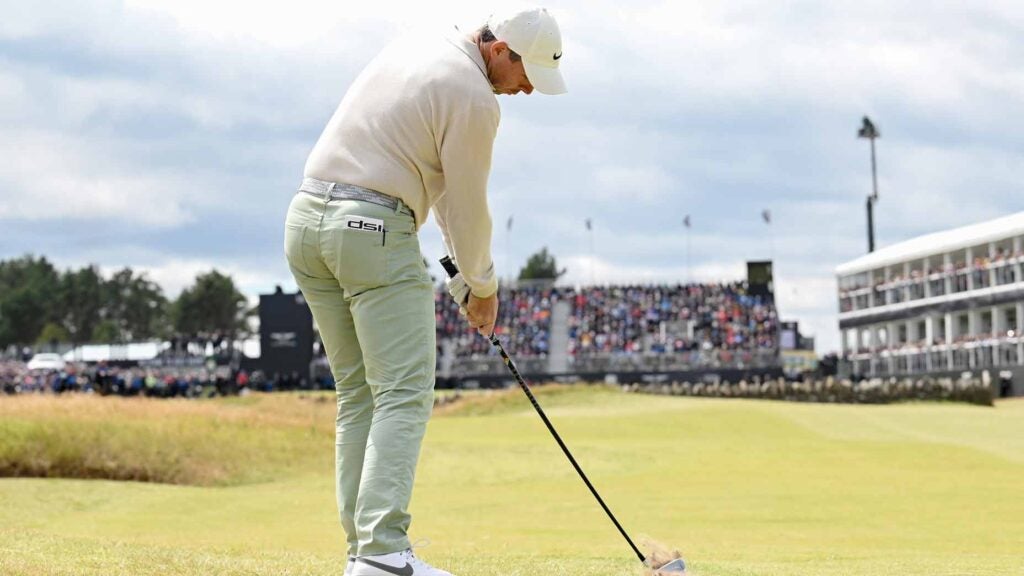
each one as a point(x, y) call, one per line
point(413, 133)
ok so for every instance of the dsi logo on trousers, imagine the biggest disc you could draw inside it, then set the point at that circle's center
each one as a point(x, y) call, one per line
point(363, 224)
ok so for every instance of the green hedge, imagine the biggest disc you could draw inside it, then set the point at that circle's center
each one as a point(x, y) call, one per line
point(876, 391)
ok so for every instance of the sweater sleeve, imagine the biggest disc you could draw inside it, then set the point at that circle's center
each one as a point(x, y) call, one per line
point(462, 212)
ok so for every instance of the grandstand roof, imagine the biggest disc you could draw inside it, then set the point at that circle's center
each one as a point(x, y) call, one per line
point(937, 243)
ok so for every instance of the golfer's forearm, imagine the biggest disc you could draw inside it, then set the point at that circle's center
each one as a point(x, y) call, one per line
point(479, 269)
point(462, 212)
point(467, 236)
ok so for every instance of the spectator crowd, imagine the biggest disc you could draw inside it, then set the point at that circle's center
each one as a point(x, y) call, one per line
point(696, 322)
point(154, 382)
point(632, 327)
point(633, 319)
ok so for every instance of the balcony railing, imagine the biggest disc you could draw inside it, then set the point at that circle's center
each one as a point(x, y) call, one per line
point(901, 290)
point(978, 353)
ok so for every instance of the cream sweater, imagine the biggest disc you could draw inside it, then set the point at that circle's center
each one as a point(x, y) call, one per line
point(419, 124)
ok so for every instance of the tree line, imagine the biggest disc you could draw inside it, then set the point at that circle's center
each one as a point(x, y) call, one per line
point(41, 305)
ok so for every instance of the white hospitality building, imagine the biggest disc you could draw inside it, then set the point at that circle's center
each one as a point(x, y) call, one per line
point(947, 302)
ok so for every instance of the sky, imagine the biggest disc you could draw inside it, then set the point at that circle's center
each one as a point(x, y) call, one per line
point(170, 135)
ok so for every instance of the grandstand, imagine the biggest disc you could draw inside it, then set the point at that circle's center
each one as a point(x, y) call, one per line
point(617, 333)
point(946, 302)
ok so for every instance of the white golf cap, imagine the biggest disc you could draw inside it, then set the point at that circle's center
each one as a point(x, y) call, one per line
point(534, 35)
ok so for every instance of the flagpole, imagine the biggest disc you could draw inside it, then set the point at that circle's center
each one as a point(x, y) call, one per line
point(686, 224)
point(590, 228)
point(689, 277)
point(508, 239)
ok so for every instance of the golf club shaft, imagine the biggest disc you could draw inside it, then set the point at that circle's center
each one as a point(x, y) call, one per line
point(536, 406)
point(450, 268)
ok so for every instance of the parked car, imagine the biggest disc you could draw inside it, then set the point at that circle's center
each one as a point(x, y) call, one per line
point(46, 361)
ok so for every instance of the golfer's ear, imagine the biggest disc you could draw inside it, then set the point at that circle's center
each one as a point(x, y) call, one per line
point(499, 47)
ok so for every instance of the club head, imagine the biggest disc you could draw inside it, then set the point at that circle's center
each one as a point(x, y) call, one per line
point(676, 566)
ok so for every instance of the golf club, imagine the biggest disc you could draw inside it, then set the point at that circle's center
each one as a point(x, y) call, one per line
point(675, 565)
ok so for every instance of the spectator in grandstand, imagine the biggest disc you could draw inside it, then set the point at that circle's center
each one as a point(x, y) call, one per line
point(15, 378)
point(628, 327)
point(639, 319)
point(523, 323)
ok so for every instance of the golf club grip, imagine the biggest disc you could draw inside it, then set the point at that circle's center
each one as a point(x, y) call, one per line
point(451, 269)
point(449, 266)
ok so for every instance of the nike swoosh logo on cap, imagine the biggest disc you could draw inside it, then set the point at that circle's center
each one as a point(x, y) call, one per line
point(557, 56)
point(403, 571)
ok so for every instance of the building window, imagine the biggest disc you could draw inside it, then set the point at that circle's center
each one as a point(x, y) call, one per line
point(845, 304)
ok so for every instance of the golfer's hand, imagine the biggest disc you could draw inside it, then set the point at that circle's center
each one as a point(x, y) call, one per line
point(482, 313)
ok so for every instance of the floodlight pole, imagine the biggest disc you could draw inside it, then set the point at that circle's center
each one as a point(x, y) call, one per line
point(869, 131)
point(871, 225)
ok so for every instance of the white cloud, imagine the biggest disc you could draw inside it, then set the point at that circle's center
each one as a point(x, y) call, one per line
point(584, 269)
point(639, 183)
point(49, 178)
point(12, 89)
point(935, 187)
point(812, 301)
point(300, 22)
point(173, 273)
point(176, 274)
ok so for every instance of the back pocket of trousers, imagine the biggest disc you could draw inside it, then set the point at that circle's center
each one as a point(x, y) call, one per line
point(294, 238)
point(361, 259)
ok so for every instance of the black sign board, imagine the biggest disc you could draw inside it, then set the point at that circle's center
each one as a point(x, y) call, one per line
point(759, 277)
point(286, 335)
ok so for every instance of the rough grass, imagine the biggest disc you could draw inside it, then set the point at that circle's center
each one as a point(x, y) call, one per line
point(742, 487)
point(225, 442)
point(503, 401)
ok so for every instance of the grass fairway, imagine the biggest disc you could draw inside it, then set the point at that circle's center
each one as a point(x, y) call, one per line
point(741, 487)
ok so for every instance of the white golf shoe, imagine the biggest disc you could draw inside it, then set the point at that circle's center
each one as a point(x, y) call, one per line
point(349, 565)
point(403, 563)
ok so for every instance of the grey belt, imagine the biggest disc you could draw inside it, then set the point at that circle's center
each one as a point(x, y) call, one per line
point(338, 191)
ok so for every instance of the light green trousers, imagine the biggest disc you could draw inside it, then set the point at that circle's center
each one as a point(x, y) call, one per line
point(372, 298)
